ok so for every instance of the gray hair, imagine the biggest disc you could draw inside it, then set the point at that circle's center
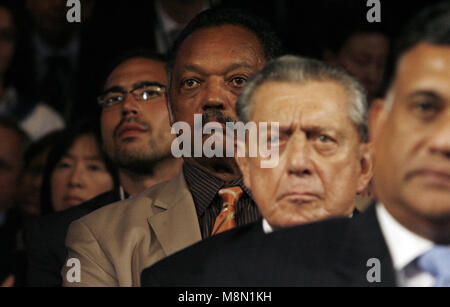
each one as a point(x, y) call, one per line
point(291, 68)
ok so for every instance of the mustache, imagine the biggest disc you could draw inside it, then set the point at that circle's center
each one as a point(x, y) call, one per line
point(216, 115)
point(127, 120)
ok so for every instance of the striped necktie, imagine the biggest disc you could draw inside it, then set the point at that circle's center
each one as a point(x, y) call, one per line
point(226, 218)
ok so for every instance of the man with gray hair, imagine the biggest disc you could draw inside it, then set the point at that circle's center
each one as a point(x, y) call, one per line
point(324, 161)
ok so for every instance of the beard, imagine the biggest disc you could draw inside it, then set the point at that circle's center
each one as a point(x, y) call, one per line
point(141, 159)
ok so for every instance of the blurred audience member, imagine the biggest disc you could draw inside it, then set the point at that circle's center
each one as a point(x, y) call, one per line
point(171, 17)
point(29, 195)
point(77, 170)
point(55, 57)
point(361, 49)
point(13, 142)
point(36, 119)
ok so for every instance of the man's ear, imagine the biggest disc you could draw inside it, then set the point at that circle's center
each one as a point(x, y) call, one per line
point(366, 161)
point(243, 164)
point(377, 117)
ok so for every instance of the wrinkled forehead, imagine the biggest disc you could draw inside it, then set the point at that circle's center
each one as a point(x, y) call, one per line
point(291, 101)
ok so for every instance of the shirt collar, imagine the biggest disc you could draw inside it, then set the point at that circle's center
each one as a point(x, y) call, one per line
point(266, 226)
point(204, 186)
point(404, 245)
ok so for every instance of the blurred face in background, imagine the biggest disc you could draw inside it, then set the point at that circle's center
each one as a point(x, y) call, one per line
point(31, 182)
point(80, 175)
point(7, 39)
point(136, 133)
point(364, 55)
point(10, 165)
point(50, 17)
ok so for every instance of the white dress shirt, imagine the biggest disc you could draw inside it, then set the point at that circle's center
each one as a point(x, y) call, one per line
point(266, 227)
point(404, 247)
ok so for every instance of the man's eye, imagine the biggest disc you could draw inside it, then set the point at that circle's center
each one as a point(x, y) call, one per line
point(426, 109)
point(323, 138)
point(149, 94)
point(190, 83)
point(113, 99)
point(274, 139)
point(239, 82)
point(426, 106)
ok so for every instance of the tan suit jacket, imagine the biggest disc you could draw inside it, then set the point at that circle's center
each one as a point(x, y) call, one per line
point(115, 243)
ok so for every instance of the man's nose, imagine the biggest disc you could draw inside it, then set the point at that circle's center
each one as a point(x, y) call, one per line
point(130, 106)
point(214, 95)
point(440, 139)
point(299, 156)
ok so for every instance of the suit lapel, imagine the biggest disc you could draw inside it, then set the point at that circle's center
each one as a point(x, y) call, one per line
point(365, 241)
point(176, 226)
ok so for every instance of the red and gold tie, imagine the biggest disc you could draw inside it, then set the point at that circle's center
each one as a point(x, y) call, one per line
point(226, 218)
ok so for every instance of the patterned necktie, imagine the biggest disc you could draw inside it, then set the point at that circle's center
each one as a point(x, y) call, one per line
point(437, 262)
point(226, 218)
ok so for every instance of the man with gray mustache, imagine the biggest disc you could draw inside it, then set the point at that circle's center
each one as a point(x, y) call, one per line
point(208, 65)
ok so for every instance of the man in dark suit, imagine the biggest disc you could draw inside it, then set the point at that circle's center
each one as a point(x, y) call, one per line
point(136, 136)
point(402, 240)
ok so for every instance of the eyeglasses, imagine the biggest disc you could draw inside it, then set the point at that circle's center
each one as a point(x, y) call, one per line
point(116, 96)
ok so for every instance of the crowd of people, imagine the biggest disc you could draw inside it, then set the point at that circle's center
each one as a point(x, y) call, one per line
point(87, 170)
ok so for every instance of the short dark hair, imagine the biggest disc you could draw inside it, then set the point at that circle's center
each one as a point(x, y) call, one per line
point(432, 25)
point(214, 17)
point(40, 146)
point(131, 54)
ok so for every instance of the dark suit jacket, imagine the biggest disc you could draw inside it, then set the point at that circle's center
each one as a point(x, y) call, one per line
point(12, 260)
point(328, 253)
point(47, 250)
